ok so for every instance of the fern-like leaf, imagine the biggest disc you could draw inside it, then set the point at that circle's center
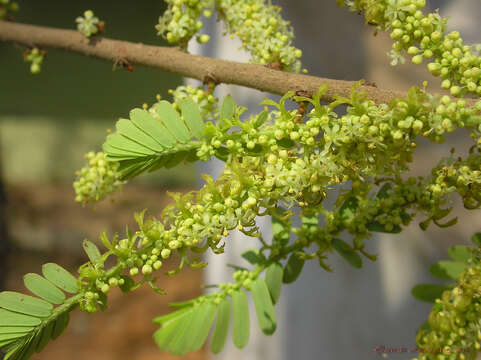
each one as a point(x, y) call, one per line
point(187, 329)
point(28, 323)
point(157, 138)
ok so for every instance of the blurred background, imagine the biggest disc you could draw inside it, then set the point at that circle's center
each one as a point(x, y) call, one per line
point(48, 121)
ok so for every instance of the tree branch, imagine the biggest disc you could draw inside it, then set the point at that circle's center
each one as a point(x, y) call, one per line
point(176, 61)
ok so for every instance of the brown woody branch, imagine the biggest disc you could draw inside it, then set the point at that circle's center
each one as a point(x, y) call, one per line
point(176, 61)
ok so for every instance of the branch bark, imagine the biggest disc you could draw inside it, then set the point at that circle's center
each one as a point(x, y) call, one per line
point(176, 61)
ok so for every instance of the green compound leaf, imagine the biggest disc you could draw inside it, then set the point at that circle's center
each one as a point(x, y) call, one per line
point(274, 275)
point(25, 304)
point(23, 347)
point(43, 288)
point(460, 253)
point(264, 308)
point(92, 251)
point(241, 322)
point(60, 277)
point(447, 270)
point(159, 138)
point(293, 269)
point(347, 252)
point(172, 121)
point(28, 323)
point(221, 327)
point(428, 292)
point(192, 117)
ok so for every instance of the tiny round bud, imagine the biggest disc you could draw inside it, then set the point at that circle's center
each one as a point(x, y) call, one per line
point(272, 159)
point(202, 39)
point(146, 269)
point(418, 59)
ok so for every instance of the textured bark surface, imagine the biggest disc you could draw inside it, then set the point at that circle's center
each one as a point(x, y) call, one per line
point(176, 61)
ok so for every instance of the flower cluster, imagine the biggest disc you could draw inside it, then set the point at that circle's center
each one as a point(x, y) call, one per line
point(138, 253)
point(7, 6)
point(454, 323)
point(283, 158)
point(368, 140)
point(462, 176)
point(266, 166)
point(97, 180)
point(204, 99)
point(200, 219)
point(141, 253)
point(180, 22)
point(262, 31)
point(424, 37)
point(88, 24)
point(259, 25)
point(35, 58)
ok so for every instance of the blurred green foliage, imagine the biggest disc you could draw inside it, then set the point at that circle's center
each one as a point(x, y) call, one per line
point(72, 86)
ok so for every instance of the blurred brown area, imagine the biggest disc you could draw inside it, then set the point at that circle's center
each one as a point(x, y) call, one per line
point(46, 225)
